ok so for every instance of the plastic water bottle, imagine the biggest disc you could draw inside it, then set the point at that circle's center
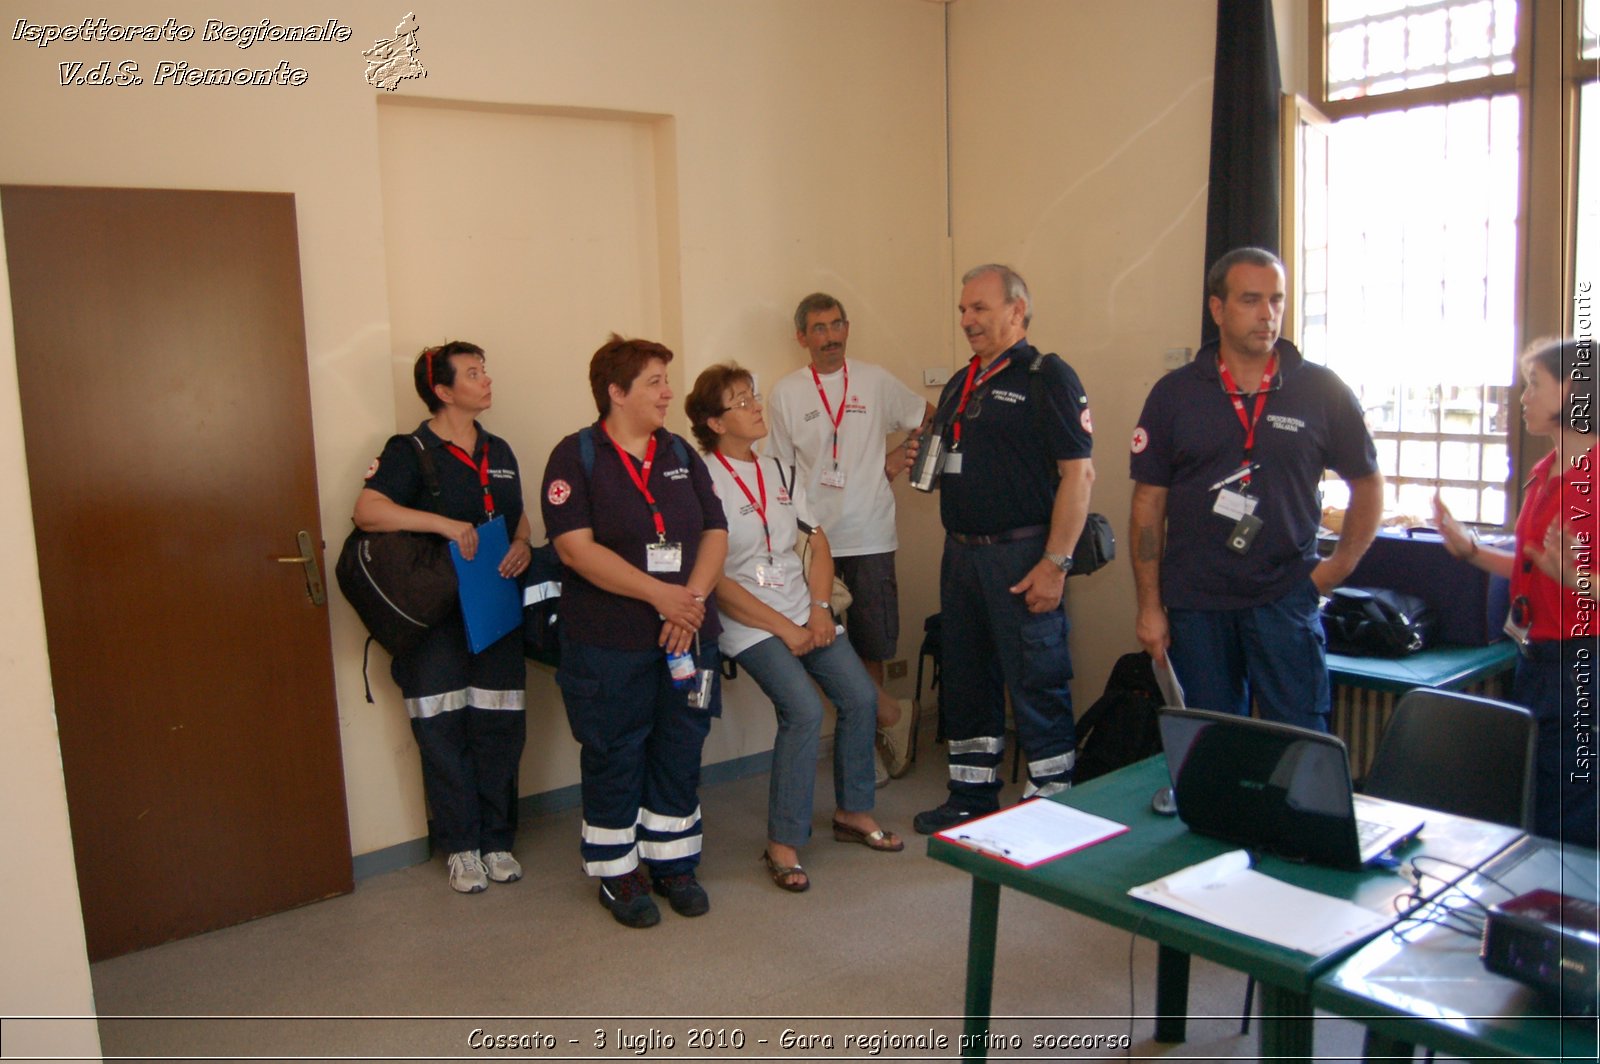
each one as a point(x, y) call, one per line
point(681, 666)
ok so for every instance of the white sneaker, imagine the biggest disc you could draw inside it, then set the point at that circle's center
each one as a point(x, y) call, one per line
point(502, 867)
point(467, 874)
point(880, 774)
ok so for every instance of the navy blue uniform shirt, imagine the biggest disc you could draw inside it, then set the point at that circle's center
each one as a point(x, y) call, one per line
point(1189, 437)
point(1009, 450)
point(608, 503)
point(397, 475)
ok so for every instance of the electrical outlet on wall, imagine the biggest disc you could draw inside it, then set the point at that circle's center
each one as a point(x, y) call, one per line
point(895, 670)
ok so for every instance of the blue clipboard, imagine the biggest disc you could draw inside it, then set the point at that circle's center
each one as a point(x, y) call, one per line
point(490, 603)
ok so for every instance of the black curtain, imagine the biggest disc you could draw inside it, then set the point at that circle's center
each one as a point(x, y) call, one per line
point(1242, 208)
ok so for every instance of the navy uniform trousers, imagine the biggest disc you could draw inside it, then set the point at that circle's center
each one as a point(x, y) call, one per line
point(992, 644)
point(641, 746)
point(467, 716)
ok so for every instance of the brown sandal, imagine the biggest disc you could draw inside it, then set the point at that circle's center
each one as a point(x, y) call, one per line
point(880, 840)
point(785, 875)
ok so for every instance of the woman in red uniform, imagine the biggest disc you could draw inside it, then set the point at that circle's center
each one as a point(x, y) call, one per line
point(1554, 624)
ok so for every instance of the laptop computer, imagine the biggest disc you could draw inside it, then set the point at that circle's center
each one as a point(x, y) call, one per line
point(1277, 788)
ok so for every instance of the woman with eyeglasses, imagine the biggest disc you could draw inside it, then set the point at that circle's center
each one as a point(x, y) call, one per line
point(1553, 612)
point(778, 625)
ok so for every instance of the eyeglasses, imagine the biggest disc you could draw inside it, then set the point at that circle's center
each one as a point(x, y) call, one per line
point(822, 328)
point(745, 402)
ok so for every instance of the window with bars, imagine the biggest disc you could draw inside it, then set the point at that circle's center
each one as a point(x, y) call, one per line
point(1407, 242)
point(1383, 46)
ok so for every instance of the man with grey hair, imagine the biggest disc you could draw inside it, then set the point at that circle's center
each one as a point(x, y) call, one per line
point(1014, 494)
point(829, 422)
point(1228, 460)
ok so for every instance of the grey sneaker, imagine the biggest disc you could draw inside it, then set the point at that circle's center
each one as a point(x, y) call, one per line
point(502, 867)
point(467, 874)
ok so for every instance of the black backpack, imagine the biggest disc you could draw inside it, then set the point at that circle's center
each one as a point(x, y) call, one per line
point(1376, 622)
point(1121, 727)
point(400, 583)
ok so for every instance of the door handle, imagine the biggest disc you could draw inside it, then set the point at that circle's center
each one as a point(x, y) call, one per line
point(308, 558)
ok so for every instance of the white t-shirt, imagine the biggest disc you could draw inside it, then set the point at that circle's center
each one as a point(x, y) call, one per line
point(859, 517)
point(748, 556)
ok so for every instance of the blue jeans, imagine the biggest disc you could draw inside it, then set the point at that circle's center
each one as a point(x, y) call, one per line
point(1272, 653)
point(1557, 685)
point(786, 680)
point(993, 645)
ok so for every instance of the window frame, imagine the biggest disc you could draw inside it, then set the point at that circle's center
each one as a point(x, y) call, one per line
point(1547, 77)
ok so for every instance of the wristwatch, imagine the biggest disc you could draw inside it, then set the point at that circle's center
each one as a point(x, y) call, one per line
point(1060, 561)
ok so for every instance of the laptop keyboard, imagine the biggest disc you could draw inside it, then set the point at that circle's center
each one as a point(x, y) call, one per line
point(1368, 832)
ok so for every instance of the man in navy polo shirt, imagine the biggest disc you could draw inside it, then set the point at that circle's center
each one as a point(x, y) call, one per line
point(1227, 459)
point(1014, 492)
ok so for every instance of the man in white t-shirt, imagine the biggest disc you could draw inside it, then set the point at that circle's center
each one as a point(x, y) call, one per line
point(829, 421)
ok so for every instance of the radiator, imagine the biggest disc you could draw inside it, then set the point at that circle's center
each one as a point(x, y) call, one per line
point(1360, 714)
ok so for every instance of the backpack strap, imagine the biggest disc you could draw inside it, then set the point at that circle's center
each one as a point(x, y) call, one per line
point(430, 475)
point(586, 449)
point(788, 487)
point(1036, 396)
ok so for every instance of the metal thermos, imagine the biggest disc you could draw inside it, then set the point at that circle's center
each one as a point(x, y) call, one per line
point(930, 457)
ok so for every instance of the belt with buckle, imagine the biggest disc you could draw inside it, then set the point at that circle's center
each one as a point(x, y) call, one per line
point(1010, 536)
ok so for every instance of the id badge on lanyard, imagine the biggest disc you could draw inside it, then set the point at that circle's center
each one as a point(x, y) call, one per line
point(769, 574)
point(660, 556)
point(664, 557)
point(952, 457)
point(833, 477)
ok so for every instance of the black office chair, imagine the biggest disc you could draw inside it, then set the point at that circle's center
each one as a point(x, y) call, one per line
point(1461, 754)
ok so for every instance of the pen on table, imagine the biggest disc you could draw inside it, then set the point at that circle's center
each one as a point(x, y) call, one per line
point(985, 844)
point(1238, 474)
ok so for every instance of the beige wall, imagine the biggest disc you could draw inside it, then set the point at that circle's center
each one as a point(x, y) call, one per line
point(43, 970)
point(792, 144)
point(796, 145)
point(1079, 140)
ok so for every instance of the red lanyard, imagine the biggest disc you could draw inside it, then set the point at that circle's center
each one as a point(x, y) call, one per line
point(969, 385)
point(480, 467)
point(836, 418)
point(1252, 420)
point(641, 478)
point(761, 485)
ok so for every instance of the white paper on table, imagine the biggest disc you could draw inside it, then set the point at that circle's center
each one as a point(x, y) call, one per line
point(1227, 892)
point(1033, 832)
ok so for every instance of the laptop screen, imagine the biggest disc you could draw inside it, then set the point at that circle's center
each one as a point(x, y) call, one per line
point(1267, 786)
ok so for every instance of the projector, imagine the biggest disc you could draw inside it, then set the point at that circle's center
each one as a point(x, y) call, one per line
point(1548, 941)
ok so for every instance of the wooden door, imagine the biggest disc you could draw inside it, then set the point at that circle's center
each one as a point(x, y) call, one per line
point(162, 364)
